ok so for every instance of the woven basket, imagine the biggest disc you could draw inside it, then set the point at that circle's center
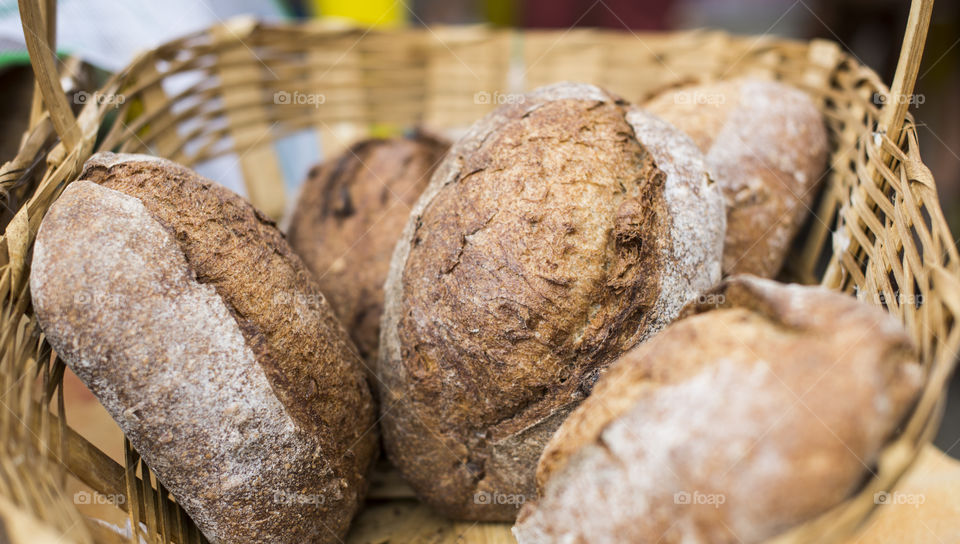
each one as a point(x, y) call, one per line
point(877, 230)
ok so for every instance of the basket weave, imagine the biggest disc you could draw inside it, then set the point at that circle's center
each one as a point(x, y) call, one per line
point(877, 230)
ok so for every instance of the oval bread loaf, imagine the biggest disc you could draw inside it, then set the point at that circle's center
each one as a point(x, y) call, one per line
point(559, 232)
point(766, 146)
point(731, 425)
point(186, 313)
point(349, 216)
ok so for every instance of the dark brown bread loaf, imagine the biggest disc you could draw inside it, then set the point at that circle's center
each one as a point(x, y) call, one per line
point(348, 218)
point(766, 146)
point(184, 310)
point(556, 234)
point(731, 425)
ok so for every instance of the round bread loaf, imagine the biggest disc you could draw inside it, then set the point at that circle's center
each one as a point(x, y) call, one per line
point(189, 317)
point(559, 232)
point(348, 218)
point(766, 146)
point(731, 425)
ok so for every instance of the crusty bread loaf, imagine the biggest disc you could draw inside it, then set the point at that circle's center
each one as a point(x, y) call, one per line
point(766, 145)
point(730, 425)
point(184, 310)
point(557, 233)
point(349, 215)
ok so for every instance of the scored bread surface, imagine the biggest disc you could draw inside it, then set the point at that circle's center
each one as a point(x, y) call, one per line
point(212, 347)
point(548, 241)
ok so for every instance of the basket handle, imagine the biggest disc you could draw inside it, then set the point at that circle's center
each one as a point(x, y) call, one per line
point(38, 18)
point(894, 112)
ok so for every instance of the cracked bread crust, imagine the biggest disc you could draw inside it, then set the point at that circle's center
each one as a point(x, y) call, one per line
point(283, 407)
point(349, 215)
point(776, 398)
point(543, 248)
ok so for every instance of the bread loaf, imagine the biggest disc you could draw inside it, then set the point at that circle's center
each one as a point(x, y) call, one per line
point(766, 146)
point(731, 425)
point(186, 313)
point(558, 232)
point(348, 218)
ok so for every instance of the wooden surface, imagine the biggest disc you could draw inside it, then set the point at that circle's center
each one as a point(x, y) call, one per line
point(394, 515)
point(924, 509)
point(17, 526)
point(409, 521)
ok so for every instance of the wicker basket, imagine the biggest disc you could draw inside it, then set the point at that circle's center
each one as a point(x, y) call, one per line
point(877, 230)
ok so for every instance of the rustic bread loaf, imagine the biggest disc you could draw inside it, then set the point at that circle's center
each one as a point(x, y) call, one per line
point(184, 310)
point(559, 232)
point(731, 425)
point(348, 218)
point(766, 146)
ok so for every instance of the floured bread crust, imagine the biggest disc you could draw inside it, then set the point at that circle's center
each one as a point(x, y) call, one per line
point(766, 145)
point(211, 345)
point(349, 216)
point(548, 242)
point(731, 425)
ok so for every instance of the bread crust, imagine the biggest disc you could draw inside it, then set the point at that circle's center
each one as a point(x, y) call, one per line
point(766, 145)
point(548, 241)
point(301, 375)
point(773, 400)
point(349, 215)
